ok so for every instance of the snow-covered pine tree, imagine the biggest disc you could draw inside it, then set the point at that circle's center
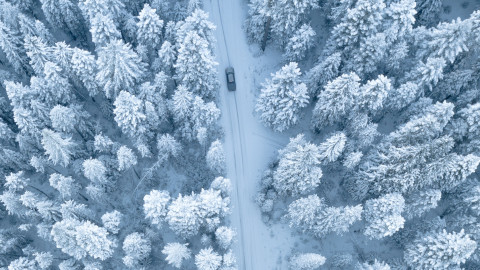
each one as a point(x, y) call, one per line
point(103, 30)
point(195, 65)
point(256, 23)
point(95, 240)
point(439, 250)
point(155, 206)
point(418, 203)
point(300, 43)
point(38, 52)
point(95, 171)
point(216, 157)
point(384, 215)
point(149, 27)
point(414, 156)
point(59, 150)
point(129, 114)
point(112, 220)
point(287, 15)
point(66, 185)
point(212, 207)
point(333, 147)
point(307, 261)
point(225, 236)
point(282, 97)
point(119, 67)
point(208, 259)
point(137, 248)
point(64, 14)
point(336, 100)
point(126, 158)
point(183, 217)
point(84, 67)
point(311, 215)
point(176, 253)
point(360, 21)
point(298, 170)
point(198, 23)
point(324, 71)
point(11, 45)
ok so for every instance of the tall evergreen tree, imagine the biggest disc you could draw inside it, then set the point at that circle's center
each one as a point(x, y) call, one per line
point(119, 67)
point(282, 98)
point(149, 27)
point(439, 250)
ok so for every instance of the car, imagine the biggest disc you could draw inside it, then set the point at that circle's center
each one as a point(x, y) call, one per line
point(231, 85)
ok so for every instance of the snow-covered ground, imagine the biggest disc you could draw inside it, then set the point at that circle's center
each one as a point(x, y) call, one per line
point(249, 145)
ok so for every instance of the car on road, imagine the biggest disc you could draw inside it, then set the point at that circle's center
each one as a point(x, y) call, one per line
point(231, 85)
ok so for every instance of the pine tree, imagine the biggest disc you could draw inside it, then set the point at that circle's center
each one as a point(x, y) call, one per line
point(439, 250)
point(12, 47)
point(333, 147)
point(129, 114)
point(62, 119)
point(282, 98)
point(38, 52)
point(155, 206)
point(299, 44)
point(216, 157)
point(63, 233)
point(84, 67)
point(298, 170)
point(414, 156)
point(183, 216)
point(22, 263)
point(311, 215)
point(65, 185)
point(136, 248)
point(198, 23)
point(336, 100)
point(94, 240)
point(55, 88)
point(168, 147)
point(43, 259)
point(286, 15)
point(429, 11)
point(208, 259)
point(446, 40)
point(212, 207)
point(149, 27)
point(225, 236)
point(59, 150)
point(112, 220)
point(103, 30)
point(383, 215)
point(119, 67)
point(63, 14)
point(176, 253)
point(126, 158)
point(195, 66)
point(307, 261)
point(324, 71)
point(258, 15)
point(95, 171)
point(418, 203)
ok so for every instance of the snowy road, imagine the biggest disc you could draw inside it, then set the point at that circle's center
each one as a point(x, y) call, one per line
point(249, 146)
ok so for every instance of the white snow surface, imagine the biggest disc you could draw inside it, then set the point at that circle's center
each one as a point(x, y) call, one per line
point(249, 146)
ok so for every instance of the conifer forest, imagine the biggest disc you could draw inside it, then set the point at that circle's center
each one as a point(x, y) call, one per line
point(239, 134)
